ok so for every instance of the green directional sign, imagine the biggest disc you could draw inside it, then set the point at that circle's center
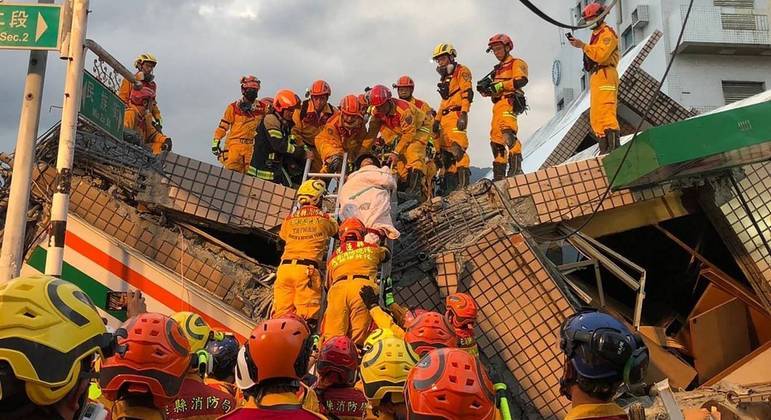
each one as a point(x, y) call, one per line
point(30, 26)
point(101, 107)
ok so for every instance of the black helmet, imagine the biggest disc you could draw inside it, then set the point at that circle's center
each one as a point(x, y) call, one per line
point(224, 352)
point(361, 158)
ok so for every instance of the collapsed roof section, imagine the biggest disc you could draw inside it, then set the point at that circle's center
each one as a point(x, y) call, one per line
point(568, 132)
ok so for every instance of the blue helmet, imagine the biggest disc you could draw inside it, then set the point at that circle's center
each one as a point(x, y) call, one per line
point(224, 352)
point(600, 347)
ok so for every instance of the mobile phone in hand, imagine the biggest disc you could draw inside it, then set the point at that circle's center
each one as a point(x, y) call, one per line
point(569, 36)
point(117, 301)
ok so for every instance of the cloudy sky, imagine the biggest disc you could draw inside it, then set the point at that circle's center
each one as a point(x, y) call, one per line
point(205, 46)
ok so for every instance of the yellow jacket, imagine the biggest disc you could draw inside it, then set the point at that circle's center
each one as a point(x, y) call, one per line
point(355, 258)
point(460, 92)
point(508, 72)
point(607, 411)
point(124, 91)
point(405, 121)
point(308, 122)
point(306, 233)
point(603, 47)
point(334, 139)
point(239, 124)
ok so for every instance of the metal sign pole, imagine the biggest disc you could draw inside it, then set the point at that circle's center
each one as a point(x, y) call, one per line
point(72, 91)
point(14, 233)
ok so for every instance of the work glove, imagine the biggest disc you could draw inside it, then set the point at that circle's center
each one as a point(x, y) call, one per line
point(462, 121)
point(368, 296)
point(436, 127)
point(215, 147)
point(387, 291)
point(498, 87)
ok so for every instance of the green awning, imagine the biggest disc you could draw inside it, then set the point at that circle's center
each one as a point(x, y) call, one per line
point(694, 146)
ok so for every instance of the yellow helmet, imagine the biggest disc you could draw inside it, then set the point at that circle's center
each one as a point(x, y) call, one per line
point(141, 58)
point(49, 331)
point(195, 329)
point(384, 369)
point(376, 336)
point(310, 191)
point(443, 49)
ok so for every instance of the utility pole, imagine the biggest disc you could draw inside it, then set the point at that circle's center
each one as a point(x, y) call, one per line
point(14, 233)
point(72, 91)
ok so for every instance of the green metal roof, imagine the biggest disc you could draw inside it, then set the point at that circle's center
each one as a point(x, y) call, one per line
point(694, 146)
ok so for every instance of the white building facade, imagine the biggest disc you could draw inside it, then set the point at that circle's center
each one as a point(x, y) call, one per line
point(725, 54)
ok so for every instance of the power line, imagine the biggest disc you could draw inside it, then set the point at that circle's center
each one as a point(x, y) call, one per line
point(631, 142)
point(533, 8)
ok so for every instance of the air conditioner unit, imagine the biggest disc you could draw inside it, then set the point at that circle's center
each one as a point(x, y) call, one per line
point(640, 16)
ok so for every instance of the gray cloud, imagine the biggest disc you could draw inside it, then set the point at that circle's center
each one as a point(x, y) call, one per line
point(205, 46)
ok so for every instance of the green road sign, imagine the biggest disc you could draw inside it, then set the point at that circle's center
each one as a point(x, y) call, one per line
point(30, 26)
point(101, 107)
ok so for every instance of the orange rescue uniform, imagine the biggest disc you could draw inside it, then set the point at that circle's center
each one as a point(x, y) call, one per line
point(601, 59)
point(308, 123)
point(410, 128)
point(240, 126)
point(335, 139)
point(278, 406)
point(507, 73)
point(607, 411)
point(459, 96)
point(143, 118)
point(352, 265)
point(198, 401)
point(298, 283)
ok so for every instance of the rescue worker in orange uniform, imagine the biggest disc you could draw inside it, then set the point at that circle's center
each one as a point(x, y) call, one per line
point(155, 348)
point(450, 384)
point(306, 232)
point(504, 87)
point(601, 58)
point(310, 118)
point(239, 123)
point(408, 130)
point(405, 87)
point(277, 156)
point(275, 360)
point(337, 366)
point(601, 354)
point(451, 118)
point(142, 116)
point(353, 264)
point(190, 403)
point(343, 133)
point(462, 314)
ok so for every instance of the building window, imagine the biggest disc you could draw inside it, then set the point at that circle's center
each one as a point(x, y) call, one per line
point(742, 4)
point(561, 105)
point(738, 22)
point(627, 40)
point(736, 91)
point(583, 82)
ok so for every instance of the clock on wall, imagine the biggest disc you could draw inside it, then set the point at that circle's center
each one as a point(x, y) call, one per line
point(556, 72)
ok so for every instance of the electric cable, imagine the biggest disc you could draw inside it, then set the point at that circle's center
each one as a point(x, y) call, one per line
point(533, 8)
point(631, 142)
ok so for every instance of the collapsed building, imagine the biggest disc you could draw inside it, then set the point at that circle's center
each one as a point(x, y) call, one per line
point(670, 233)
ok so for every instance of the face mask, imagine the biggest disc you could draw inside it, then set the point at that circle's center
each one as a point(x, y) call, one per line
point(250, 95)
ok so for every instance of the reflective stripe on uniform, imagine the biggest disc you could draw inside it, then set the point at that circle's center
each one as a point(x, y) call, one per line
point(608, 87)
point(275, 133)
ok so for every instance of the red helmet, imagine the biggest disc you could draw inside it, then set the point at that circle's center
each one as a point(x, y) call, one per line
point(404, 81)
point(349, 105)
point(379, 95)
point(502, 39)
point(285, 99)
point(449, 383)
point(250, 82)
point(352, 229)
point(156, 360)
point(461, 310)
point(319, 88)
point(278, 349)
point(412, 314)
point(592, 10)
point(430, 331)
point(267, 102)
point(338, 361)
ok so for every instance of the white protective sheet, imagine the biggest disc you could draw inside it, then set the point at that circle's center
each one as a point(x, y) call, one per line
point(366, 194)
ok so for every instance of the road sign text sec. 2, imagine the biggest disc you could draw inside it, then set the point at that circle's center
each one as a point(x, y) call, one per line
point(29, 26)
